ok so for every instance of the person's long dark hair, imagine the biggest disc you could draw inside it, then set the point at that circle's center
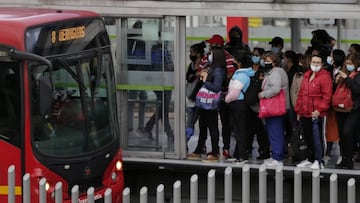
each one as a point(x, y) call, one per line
point(219, 58)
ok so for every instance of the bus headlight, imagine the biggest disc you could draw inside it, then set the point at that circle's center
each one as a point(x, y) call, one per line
point(47, 186)
point(118, 165)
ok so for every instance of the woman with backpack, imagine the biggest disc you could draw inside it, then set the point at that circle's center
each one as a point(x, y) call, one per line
point(239, 109)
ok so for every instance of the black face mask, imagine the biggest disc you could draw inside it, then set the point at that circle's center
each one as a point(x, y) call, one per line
point(193, 58)
point(268, 66)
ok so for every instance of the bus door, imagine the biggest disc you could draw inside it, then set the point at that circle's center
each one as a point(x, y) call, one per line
point(146, 83)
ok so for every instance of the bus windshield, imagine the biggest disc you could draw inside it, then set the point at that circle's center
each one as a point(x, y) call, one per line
point(73, 104)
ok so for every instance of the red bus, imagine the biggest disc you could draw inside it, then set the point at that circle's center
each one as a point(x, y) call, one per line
point(58, 117)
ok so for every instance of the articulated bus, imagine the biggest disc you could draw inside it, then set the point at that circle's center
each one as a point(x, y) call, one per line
point(58, 117)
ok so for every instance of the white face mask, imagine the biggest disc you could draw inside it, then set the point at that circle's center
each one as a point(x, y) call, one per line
point(315, 68)
point(210, 58)
point(329, 60)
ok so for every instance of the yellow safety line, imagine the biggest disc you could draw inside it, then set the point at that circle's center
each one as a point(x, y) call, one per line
point(4, 190)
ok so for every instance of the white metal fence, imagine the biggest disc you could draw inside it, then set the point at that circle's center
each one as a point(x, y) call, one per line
point(160, 190)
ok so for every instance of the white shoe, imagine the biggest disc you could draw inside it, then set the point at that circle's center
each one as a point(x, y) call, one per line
point(268, 160)
point(326, 159)
point(316, 165)
point(304, 164)
point(339, 159)
point(274, 163)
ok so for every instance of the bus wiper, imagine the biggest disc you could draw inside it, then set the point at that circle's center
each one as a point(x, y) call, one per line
point(73, 75)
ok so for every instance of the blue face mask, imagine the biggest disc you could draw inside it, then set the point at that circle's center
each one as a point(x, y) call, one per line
point(255, 59)
point(350, 68)
point(275, 50)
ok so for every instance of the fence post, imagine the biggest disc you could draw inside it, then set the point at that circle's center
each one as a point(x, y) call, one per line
point(11, 184)
point(160, 194)
point(297, 185)
point(211, 186)
point(228, 185)
point(90, 195)
point(58, 192)
point(194, 188)
point(262, 184)
point(177, 191)
point(108, 195)
point(351, 195)
point(279, 185)
point(126, 195)
point(333, 188)
point(26, 188)
point(42, 190)
point(246, 183)
point(75, 194)
point(316, 186)
point(143, 194)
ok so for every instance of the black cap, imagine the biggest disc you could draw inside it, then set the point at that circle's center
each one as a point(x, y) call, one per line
point(277, 41)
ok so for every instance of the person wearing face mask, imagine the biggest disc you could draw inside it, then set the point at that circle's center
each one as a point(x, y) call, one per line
point(277, 44)
point(335, 62)
point(312, 103)
point(275, 81)
point(193, 84)
point(217, 41)
point(257, 58)
point(347, 121)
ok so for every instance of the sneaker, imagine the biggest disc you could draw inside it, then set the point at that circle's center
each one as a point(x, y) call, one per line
point(194, 156)
point(269, 160)
point(339, 159)
point(274, 163)
point(226, 154)
point(211, 158)
point(316, 165)
point(240, 161)
point(304, 164)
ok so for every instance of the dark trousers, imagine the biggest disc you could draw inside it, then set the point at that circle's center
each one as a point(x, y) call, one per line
point(315, 147)
point(256, 126)
point(275, 128)
point(347, 123)
point(238, 117)
point(225, 122)
point(208, 120)
point(160, 114)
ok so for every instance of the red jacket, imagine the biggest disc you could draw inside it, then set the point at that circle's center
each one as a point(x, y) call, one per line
point(314, 95)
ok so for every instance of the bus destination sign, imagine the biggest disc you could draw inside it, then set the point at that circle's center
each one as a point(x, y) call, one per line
point(67, 34)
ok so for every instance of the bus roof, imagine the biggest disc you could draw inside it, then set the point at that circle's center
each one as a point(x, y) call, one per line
point(14, 21)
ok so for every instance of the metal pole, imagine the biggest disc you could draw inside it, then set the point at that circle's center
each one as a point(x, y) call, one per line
point(160, 194)
point(316, 186)
point(177, 191)
point(126, 195)
point(42, 191)
point(75, 194)
point(297, 186)
point(333, 188)
point(351, 195)
point(295, 35)
point(279, 185)
point(143, 194)
point(228, 185)
point(90, 195)
point(108, 195)
point(246, 183)
point(211, 186)
point(11, 184)
point(262, 184)
point(194, 188)
point(58, 192)
point(26, 188)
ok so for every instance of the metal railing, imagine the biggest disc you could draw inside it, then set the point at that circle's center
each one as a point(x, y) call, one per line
point(194, 181)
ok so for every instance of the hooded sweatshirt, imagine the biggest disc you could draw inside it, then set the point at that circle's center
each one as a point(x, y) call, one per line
point(239, 83)
point(236, 43)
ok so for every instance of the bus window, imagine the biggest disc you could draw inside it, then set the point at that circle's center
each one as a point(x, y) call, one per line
point(78, 119)
point(10, 103)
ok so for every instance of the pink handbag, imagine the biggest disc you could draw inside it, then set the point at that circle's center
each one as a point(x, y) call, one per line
point(273, 106)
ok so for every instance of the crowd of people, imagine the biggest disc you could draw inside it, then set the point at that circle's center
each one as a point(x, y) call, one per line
point(309, 82)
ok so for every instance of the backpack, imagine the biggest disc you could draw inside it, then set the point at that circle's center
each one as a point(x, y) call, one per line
point(251, 94)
